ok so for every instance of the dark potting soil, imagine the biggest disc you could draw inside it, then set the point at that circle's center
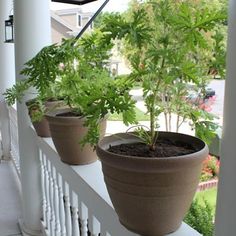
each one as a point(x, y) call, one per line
point(164, 148)
point(54, 99)
point(68, 114)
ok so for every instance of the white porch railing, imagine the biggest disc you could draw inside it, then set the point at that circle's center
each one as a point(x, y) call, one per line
point(75, 200)
point(14, 139)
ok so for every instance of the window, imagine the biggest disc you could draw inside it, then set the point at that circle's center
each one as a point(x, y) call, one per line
point(82, 20)
point(79, 20)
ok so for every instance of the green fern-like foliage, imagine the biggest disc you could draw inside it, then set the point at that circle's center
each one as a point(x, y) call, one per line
point(43, 69)
point(95, 96)
point(77, 72)
point(17, 92)
point(87, 85)
point(36, 109)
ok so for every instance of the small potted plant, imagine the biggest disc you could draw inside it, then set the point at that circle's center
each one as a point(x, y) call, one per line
point(152, 176)
point(41, 73)
point(91, 93)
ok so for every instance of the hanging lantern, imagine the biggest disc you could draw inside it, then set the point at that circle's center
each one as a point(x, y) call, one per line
point(9, 30)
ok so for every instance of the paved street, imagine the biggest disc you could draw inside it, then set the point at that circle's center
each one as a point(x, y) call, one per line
point(219, 87)
point(217, 107)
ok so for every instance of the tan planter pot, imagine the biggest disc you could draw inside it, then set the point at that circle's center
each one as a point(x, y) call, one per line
point(42, 127)
point(151, 195)
point(67, 132)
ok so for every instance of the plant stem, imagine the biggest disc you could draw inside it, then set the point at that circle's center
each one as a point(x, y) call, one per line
point(170, 121)
point(166, 121)
point(152, 127)
point(153, 116)
point(177, 124)
point(154, 134)
point(181, 123)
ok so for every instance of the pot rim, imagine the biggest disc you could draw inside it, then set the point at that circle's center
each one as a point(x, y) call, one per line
point(117, 136)
point(53, 114)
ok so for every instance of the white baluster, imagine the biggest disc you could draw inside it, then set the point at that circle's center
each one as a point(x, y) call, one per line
point(56, 202)
point(75, 215)
point(84, 219)
point(75, 222)
point(61, 205)
point(43, 188)
point(51, 191)
point(67, 210)
point(47, 195)
point(94, 226)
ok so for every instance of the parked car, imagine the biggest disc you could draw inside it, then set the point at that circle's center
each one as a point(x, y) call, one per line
point(209, 93)
point(195, 95)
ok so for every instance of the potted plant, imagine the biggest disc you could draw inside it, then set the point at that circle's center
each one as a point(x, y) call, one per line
point(152, 176)
point(91, 93)
point(41, 73)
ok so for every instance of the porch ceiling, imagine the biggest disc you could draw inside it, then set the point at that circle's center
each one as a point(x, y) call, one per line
point(78, 2)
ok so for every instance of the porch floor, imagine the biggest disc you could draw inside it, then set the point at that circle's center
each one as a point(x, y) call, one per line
point(10, 210)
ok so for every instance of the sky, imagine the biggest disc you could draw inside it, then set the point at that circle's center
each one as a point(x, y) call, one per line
point(113, 5)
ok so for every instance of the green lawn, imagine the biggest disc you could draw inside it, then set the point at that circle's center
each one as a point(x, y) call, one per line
point(208, 195)
point(141, 116)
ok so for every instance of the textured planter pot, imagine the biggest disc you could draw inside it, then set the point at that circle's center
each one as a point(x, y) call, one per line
point(67, 132)
point(151, 195)
point(42, 127)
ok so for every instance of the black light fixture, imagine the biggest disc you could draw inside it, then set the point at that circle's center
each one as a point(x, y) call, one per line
point(78, 2)
point(9, 30)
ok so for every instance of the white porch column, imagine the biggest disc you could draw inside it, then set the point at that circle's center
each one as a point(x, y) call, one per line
point(32, 33)
point(7, 75)
point(226, 202)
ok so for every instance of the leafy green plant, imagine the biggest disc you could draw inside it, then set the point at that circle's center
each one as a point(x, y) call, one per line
point(77, 71)
point(92, 93)
point(200, 217)
point(167, 38)
point(40, 73)
point(36, 109)
point(42, 70)
point(87, 86)
point(43, 73)
point(16, 92)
